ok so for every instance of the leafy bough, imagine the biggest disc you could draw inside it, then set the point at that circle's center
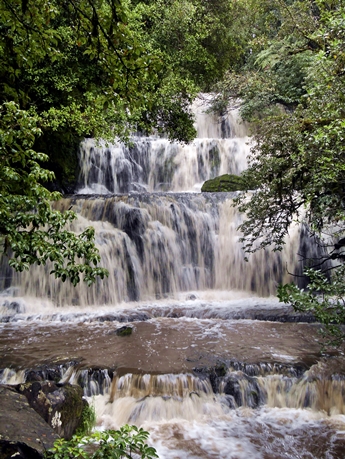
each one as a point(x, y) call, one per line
point(31, 230)
point(127, 442)
point(324, 299)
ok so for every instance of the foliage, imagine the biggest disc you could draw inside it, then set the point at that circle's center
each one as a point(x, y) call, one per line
point(71, 68)
point(116, 444)
point(276, 66)
point(88, 421)
point(326, 300)
point(197, 39)
point(298, 158)
point(31, 231)
point(297, 155)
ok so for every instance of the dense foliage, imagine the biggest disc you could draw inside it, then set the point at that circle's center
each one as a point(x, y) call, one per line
point(68, 68)
point(293, 91)
point(29, 227)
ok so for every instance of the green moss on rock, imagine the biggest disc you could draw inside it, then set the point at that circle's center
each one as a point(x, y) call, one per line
point(124, 331)
point(226, 182)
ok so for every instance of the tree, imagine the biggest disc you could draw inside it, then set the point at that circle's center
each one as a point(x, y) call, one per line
point(69, 68)
point(196, 38)
point(30, 230)
point(298, 153)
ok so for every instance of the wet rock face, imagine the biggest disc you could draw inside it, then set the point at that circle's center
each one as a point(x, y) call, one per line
point(60, 406)
point(44, 373)
point(13, 307)
point(243, 389)
point(23, 432)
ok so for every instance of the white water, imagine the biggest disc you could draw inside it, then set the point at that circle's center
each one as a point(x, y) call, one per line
point(154, 164)
point(178, 278)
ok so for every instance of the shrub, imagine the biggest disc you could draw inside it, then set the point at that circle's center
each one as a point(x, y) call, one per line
point(109, 444)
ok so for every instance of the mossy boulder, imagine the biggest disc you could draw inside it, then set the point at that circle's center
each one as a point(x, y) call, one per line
point(124, 331)
point(60, 405)
point(226, 182)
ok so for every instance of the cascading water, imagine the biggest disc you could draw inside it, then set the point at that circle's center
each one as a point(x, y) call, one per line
point(213, 366)
point(154, 164)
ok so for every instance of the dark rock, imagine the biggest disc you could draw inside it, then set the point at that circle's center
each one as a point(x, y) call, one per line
point(23, 433)
point(243, 389)
point(95, 381)
point(107, 318)
point(18, 450)
point(239, 389)
point(14, 307)
point(135, 316)
point(60, 406)
point(124, 331)
point(191, 297)
point(44, 373)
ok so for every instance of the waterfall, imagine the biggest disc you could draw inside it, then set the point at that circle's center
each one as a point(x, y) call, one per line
point(213, 365)
point(155, 164)
point(155, 243)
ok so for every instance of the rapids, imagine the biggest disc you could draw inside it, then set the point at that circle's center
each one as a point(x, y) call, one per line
point(214, 366)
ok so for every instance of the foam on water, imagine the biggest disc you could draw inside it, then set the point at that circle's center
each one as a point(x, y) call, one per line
point(196, 428)
point(198, 304)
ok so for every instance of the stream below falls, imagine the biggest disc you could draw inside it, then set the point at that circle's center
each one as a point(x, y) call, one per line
point(184, 338)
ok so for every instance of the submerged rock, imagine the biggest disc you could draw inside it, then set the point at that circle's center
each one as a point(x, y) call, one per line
point(124, 331)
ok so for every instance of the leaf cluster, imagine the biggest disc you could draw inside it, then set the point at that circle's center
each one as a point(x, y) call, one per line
point(127, 442)
point(324, 299)
point(31, 231)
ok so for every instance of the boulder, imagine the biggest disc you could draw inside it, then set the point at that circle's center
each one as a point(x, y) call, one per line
point(23, 433)
point(61, 406)
point(226, 183)
point(124, 331)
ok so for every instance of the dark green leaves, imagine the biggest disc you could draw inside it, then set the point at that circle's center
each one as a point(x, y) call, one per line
point(324, 299)
point(31, 231)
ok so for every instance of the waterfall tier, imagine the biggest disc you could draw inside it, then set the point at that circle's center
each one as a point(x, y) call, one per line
point(157, 245)
point(154, 164)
